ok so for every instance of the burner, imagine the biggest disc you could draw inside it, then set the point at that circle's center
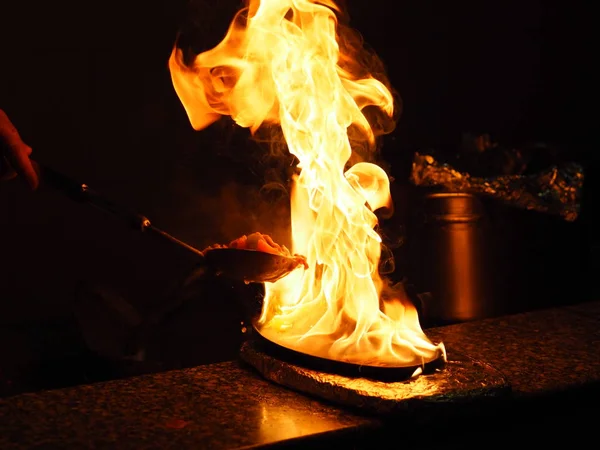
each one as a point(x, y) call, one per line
point(462, 380)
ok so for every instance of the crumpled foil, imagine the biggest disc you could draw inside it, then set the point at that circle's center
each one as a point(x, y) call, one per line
point(556, 190)
point(462, 380)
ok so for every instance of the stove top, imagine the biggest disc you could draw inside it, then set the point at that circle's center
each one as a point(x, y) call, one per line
point(462, 379)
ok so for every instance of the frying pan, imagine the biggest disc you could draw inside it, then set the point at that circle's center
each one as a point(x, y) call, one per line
point(344, 368)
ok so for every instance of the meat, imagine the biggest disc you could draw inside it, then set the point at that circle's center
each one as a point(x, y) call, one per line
point(263, 243)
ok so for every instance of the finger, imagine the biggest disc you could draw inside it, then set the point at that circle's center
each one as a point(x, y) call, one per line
point(19, 159)
point(17, 151)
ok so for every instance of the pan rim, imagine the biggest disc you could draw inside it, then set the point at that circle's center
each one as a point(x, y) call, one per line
point(344, 368)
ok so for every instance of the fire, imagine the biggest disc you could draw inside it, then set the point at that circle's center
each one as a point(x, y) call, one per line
point(283, 62)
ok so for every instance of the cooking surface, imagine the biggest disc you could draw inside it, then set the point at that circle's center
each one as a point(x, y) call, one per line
point(462, 380)
point(225, 406)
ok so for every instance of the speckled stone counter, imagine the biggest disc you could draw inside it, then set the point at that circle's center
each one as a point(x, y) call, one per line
point(227, 405)
point(219, 406)
point(539, 352)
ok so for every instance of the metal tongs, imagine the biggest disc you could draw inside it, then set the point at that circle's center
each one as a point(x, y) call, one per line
point(250, 266)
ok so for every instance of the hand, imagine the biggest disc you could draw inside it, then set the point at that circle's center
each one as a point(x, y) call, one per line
point(14, 154)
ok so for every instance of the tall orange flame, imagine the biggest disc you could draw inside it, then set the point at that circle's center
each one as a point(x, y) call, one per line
point(281, 63)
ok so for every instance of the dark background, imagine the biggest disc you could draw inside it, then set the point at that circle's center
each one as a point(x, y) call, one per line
point(88, 87)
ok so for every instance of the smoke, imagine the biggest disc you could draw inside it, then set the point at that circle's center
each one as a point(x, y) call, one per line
point(206, 218)
point(225, 185)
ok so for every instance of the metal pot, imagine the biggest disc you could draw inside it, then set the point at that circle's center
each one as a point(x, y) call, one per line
point(453, 267)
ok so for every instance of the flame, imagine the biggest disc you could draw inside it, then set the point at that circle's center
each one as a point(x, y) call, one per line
point(282, 62)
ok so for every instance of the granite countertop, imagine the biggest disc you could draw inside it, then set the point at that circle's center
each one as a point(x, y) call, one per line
point(229, 406)
point(220, 405)
point(540, 352)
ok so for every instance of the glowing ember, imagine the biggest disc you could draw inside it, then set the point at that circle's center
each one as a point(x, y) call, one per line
point(286, 62)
